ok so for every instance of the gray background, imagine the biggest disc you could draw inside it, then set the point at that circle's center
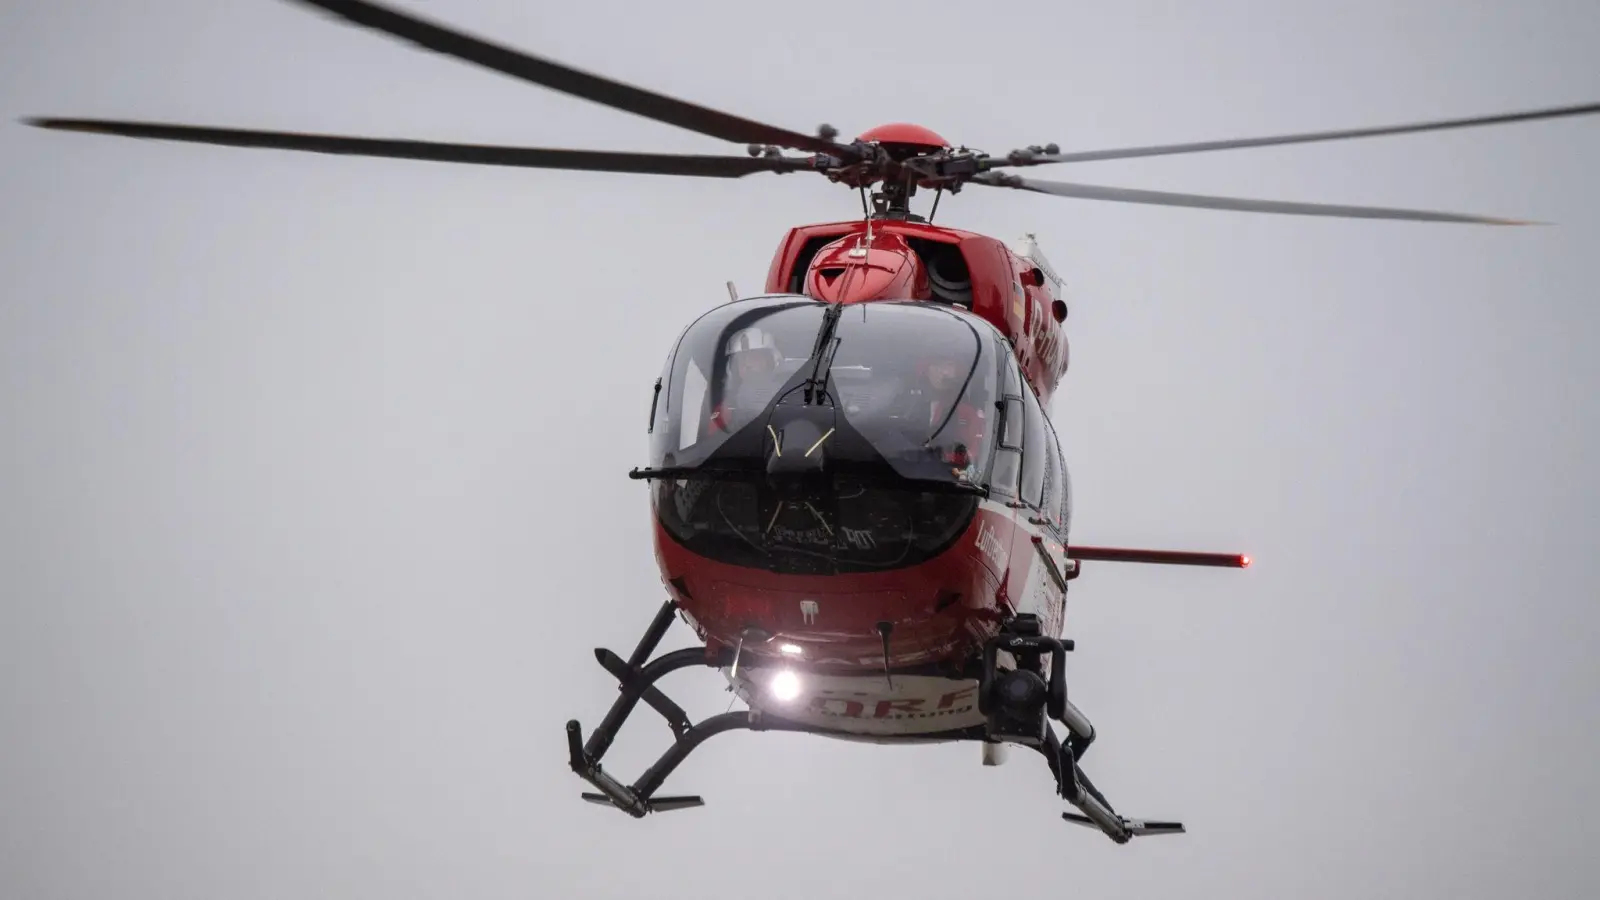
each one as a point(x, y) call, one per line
point(312, 494)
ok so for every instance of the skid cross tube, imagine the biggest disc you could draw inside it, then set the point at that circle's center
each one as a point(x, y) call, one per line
point(634, 685)
point(629, 675)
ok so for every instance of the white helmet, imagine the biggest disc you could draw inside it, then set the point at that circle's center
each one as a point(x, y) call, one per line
point(751, 339)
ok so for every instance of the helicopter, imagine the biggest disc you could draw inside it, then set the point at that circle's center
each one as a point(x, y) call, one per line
point(860, 504)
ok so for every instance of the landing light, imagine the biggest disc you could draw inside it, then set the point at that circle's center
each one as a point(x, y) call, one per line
point(785, 686)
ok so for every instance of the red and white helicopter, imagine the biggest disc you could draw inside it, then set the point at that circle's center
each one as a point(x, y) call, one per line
point(861, 507)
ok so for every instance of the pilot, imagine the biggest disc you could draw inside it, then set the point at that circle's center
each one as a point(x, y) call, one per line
point(752, 378)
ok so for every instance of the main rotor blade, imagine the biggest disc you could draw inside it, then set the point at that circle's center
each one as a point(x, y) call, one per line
point(1202, 201)
point(1206, 146)
point(480, 154)
point(562, 78)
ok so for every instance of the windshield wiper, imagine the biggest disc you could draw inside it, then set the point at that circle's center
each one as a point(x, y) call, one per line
point(822, 353)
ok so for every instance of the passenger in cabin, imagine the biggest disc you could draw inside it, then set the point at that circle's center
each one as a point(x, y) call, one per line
point(956, 432)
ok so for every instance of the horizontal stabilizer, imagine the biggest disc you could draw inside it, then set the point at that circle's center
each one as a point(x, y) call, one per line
point(1160, 557)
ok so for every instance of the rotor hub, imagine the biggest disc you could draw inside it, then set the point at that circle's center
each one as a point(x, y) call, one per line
point(904, 134)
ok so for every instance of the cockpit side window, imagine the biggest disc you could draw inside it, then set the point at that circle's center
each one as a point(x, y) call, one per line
point(691, 402)
point(1008, 451)
point(1055, 505)
point(1047, 501)
point(1064, 511)
point(1036, 450)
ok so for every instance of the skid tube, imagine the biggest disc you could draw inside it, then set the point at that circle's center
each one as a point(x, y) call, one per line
point(636, 680)
point(1094, 810)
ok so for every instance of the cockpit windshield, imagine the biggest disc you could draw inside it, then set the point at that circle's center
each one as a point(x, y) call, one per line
point(725, 372)
point(918, 382)
point(913, 385)
point(806, 437)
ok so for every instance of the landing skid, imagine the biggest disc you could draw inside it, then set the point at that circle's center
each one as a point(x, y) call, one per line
point(1094, 810)
point(636, 679)
point(1135, 827)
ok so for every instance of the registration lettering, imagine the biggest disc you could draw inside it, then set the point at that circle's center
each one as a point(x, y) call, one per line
point(840, 706)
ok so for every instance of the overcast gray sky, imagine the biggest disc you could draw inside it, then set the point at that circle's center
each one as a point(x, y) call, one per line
point(313, 497)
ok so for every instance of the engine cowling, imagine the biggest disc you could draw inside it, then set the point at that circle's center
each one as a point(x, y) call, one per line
point(855, 269)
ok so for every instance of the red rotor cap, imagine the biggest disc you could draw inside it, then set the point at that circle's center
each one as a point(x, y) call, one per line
point(905, 133)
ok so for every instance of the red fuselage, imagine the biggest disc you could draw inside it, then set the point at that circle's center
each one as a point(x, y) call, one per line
point(941, 587)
